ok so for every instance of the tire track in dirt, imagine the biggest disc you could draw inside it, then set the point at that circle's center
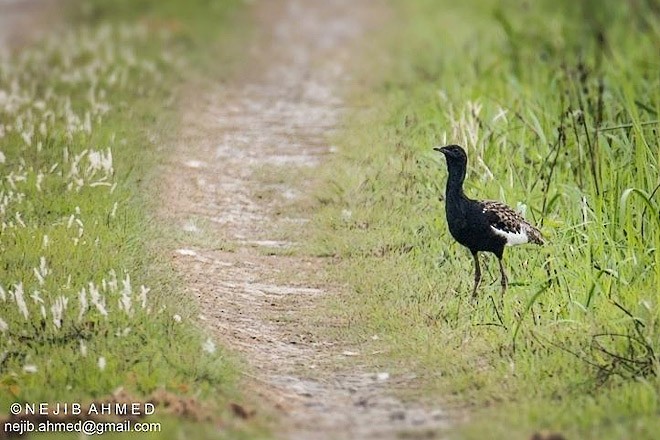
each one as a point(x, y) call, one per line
point(277, 117)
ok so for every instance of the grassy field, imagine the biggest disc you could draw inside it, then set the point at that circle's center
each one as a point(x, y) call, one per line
point(86, 305)
point(557, 105)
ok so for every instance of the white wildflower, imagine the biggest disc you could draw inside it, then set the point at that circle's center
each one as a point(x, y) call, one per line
point(97, 300)
point(177, 317)
point(125, 303)
point(20, 300)
point(501, 114)
point(43, 267)
point(10, 180)
point(19, 219)
point(112, 282)
point(126, 283)
point(84, 305)
point(29, 368)
point(42, 271)
point(27, 137)
point(45, 241)
point(143, 296)
point(40, 179)
point(57, 308)
point(208, 346)
point(125, 300)
point(101, 363)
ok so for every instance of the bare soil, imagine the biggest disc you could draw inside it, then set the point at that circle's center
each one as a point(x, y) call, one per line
point(255, 291)
point(24, 21)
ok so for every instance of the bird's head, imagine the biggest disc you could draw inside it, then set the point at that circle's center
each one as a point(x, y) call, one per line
point(453, 153)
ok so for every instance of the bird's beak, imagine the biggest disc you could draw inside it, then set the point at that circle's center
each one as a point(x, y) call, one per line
point(440, 149)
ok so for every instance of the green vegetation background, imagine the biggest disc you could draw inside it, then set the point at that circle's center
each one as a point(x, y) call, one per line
point(557, 105)
point(87, 303)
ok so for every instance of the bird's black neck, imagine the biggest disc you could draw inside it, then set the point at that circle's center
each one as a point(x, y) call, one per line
point(455, 181)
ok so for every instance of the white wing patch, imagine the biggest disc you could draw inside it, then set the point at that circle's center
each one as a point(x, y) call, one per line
point(513, 238)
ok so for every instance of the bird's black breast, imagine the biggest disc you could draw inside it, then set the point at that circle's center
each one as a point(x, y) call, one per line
point(470, 226)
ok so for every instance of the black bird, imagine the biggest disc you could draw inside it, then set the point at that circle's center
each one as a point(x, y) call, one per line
point(481, 225)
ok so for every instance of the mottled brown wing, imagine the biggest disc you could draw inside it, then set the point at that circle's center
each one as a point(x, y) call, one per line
point(503, 218)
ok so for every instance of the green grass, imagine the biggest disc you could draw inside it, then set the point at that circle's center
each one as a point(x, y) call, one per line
point(87, 302)
point(557, 105)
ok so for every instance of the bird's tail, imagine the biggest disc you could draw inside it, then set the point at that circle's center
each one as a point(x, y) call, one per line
point(535, 236)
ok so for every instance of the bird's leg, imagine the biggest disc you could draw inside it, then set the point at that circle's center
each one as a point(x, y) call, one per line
point(477, 274)
point(505, 281)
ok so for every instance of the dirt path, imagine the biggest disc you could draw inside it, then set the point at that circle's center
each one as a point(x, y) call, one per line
point(23, 21)
point(218, 192)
